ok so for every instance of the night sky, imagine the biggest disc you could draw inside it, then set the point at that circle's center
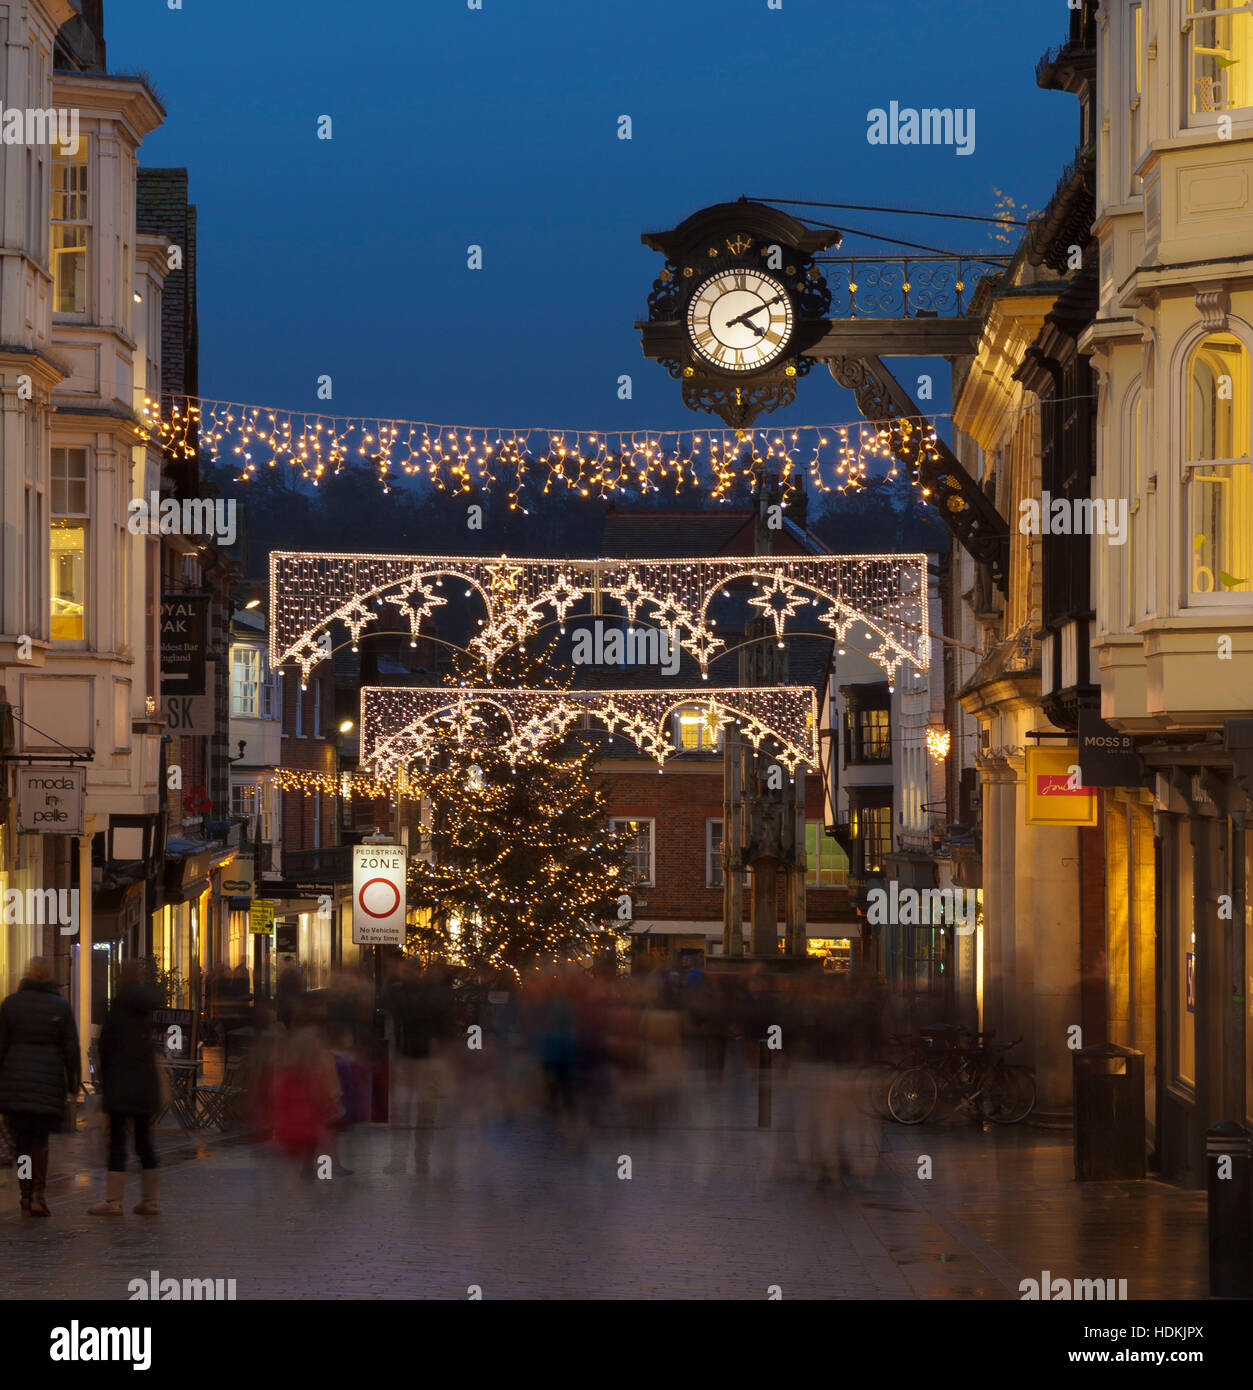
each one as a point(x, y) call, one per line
point(499, 127)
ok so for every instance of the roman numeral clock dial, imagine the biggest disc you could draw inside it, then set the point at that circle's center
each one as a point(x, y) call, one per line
point(739, 320)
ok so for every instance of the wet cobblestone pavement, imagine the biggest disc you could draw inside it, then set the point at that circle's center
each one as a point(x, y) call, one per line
point(713, 1209)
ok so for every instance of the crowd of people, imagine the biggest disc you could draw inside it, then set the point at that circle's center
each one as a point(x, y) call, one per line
point(439, 1053)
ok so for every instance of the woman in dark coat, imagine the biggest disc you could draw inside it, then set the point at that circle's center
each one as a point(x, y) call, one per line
point(39, 1071)
point(131, 1090)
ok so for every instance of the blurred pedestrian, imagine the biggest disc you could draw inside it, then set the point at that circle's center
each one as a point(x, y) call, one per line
point(131, 1090)
point(40, 1072)
point(287, 990)
point(306, 1095)
point(421, 1008)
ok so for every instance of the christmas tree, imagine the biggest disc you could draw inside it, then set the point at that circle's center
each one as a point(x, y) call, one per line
point(524, 866)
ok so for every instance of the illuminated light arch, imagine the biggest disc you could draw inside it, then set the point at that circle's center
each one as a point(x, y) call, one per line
point(403, 724)
point(312, 593)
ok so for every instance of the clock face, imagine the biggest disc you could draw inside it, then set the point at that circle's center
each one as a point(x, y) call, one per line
point(739, 320)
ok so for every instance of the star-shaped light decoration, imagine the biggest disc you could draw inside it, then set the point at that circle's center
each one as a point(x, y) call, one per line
point(427, 601)
point(630, 593)
point(562, 595)
point(715, 720)
point(355, 616)
point(462, 718)
point(671, 615)
point(780, 612)
point(504, 576)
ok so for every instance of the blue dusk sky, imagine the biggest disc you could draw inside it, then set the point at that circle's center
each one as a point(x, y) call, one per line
point(499, 127)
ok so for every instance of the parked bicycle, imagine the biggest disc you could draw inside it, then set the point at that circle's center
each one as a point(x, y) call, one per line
point(973, 1076)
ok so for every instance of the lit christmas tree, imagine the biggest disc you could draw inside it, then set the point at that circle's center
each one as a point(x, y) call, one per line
point(524, 864)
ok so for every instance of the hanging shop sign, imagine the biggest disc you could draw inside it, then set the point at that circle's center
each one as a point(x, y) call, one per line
point(184, 641)
point(1107, 757)
point(239, 877)
point(1055, 791)
point(378, 895)
point(50, 800)
point(190, 716)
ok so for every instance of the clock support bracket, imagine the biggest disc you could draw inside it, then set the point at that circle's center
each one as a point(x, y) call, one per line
point(964, 507)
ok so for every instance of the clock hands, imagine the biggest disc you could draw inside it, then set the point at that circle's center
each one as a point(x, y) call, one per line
point(756, 309)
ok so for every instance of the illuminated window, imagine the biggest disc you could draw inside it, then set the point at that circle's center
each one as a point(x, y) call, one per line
point(826, 864)
point(867, 723)
point(713, 853)
point(1219, 468)
point(1136, 122)
point(69, 544)
point(713, 856)
point(694, 731)
point(1218, 38)
point(638, 837)
point(70, 226)
point(245, 681)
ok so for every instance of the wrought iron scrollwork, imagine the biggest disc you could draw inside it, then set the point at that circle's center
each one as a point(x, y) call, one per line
point(967, 511)
point(739, 405)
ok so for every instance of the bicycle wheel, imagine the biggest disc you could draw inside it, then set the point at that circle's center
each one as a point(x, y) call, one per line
point(912, 1096)
point(1008, 1095)
point(873, 1081)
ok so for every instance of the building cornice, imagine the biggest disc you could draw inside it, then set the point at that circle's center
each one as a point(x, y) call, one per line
point(101, 97)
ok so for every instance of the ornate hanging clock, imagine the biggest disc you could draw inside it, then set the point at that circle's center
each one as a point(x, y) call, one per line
point(737, 305)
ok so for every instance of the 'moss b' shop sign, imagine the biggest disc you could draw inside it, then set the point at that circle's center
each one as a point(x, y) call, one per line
point(378, 895)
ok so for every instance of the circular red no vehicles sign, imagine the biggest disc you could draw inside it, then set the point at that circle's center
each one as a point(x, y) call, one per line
point(382, 893)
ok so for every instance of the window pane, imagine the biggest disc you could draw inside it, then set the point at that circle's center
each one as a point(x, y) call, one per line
point(70, 218)
point(69, 270)
point(69, 566)
point(1220, 54)
point(638, 836)
point(1222, 528)
point(875, 734)
point(694, 731)
point(245, 673)
point(715, 853)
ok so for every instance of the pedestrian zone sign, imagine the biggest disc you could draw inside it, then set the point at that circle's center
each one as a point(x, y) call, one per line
point(378, 895)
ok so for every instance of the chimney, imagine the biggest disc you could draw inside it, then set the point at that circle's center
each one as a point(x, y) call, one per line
point(796, 502)
point(769, 495)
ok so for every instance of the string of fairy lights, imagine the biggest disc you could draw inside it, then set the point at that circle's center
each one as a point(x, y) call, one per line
point(313, 595)
point(591, 463)
point(401, 724)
